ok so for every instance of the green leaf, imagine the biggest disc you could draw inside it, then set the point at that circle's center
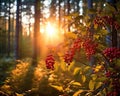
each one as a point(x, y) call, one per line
point(109, 9)
point(76, 71)
point(97, 85)
point(118, 63)
point(91, 85)
point(78, 93)
point(83, 78)
point(59, 88)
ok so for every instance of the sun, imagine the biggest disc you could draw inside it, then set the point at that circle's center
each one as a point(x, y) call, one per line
point(50, 30)
point(52, 34)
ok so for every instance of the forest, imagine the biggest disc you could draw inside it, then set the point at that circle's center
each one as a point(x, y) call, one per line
point(59, 47)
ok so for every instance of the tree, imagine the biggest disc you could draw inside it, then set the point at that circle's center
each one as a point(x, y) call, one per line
point(9, 31)
point(36, 31)
point(17, 33)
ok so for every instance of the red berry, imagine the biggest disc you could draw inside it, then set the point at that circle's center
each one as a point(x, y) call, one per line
point(108, 74)
point(50, 61)
point(112, 53)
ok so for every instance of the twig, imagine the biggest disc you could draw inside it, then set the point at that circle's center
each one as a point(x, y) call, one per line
point(104, 85)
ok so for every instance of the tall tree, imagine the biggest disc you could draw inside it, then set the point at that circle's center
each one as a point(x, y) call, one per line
point(113, 30)
point(68, 12)
point(9, 30)
point(36, 31)
point(17, 30)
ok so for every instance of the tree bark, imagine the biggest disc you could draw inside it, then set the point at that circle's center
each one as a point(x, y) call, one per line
point(9, 30)
point(113, 30)
point(36, 31)
point(68, 12)
point(17, 30)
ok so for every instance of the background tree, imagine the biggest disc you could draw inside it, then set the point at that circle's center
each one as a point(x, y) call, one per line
point(17, 34)
point(36, 30)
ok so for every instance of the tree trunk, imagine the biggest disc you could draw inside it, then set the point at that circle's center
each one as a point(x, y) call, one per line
point(17, 31)
point(9, 30)
point(36, 31)
point(90, 6)
point(113, 30)
point(59, 15)
point(68, 12)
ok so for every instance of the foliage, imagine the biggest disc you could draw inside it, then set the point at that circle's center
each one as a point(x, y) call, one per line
point(6, 65)
point(102, 76)
point(27, 79)
point(73, 71)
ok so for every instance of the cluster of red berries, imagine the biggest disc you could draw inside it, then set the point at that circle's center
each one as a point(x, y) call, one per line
point(115, 88)
point(111, 74)
point(99, 21)
point(108, 74)
point(112, 93)
point(102, 21)
point(111, 21)
point(77, 44)
point(115, 83)
point(69, 55)
point(90, 47)
point(112, 53)
point(50, 61)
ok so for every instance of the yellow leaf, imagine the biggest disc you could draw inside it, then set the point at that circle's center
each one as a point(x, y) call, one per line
point(19, 94)
point(56, 65)
point(63, 66)
point(104, 32)
point(83, 78)
point(76, 83)
point(98, 85)
point(87, 68)
point(76, 71)
point(91, 84)
point(71, 35)
point(71, 66)
point(78, 93)
point(95, 26)
point(91, 11)
point(60, 88)
point(98, 68)
point(94, 76)
point(96, 36)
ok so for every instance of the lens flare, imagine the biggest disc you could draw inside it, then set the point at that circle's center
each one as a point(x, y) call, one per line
point(50, 30)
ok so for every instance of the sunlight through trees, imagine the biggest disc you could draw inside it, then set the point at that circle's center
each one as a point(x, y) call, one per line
point(59, 47)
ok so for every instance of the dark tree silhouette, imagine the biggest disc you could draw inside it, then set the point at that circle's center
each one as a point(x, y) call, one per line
point(36, 31)
point(17, 30)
